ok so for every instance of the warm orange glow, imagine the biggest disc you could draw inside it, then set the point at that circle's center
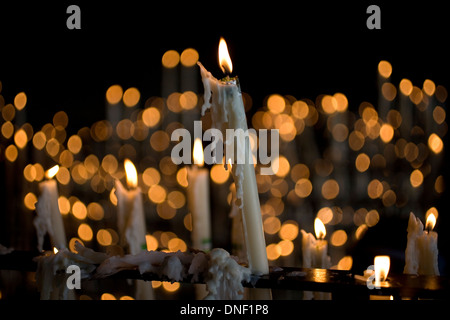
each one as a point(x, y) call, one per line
point(219, 174)
point(431, 222)
point(338, 238)
point(198, 152)
point(382, 265)
point(20, 139)
point(30, 201)
point(435, 143)
point(171, 287)
point(384, 69)
point(416, 178)
point(85, 232)
point(170, 59)
point(319, 229)
point(330, 189)
point(406, 87)
point(429, 87)
point(131, 173)
point(276, 103)
point(114, 94)
point(55, 251)
point(189, 57)
point(131, 97)
point(20, 100)
point(224, 57)
point(386, 132)
point(50, 173)
point(152, 242)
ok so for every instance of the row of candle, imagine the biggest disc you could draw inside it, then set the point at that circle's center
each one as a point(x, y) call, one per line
point(102, 164)
point(274, 112)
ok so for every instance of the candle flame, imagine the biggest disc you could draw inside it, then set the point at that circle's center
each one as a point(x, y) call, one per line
point(319, 229)
point(198, 152)
point(50, 173)
point(224, 57)
point(382, 265)
point(431, 222)
point(131, 173)
point(55, 251)
point(230, 165)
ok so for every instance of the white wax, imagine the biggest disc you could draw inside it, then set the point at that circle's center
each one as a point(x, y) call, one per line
point(421, 254)
point(428, 252)
point(314, 252)
point(130, 218)
point(49, 217)
point(132, 230)
point(198, 201)
point(237, 230)
point(227, 112)
point(50, 278)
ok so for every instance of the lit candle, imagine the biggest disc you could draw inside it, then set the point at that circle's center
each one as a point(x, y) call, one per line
point(382, 265)
point(49, 219)
point(131, 222)
point(227, 112)
point(198, 200)
point(381, 271)
point(421, 254)
point(315, 250)
point(130, 211)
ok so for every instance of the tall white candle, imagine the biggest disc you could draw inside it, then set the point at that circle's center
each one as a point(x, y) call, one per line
point(227, 111)
point(198, 200)
point(49, 219)
point(131, 222)
point(130, 212)
point(421, 254)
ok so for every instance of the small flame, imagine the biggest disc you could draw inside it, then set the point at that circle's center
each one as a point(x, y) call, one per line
point(431, 222)
point(224, 57)
point(198, 152)
point(230, 165)
point(319, 229)
point(131, 173)
point(55, 251)
point(382, 265)
point(50, 173)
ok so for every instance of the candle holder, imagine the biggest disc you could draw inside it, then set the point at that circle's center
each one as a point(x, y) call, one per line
point(341, 284)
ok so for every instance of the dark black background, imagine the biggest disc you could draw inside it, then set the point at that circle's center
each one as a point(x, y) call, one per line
point(298, 48)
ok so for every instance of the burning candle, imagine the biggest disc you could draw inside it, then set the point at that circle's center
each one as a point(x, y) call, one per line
point(198, 200)
point(421, 254)
point(227, 111)
point(380, 271)
point(49, 219)
point(130, 211)
point(315, 250)
point(382, 265)
point(131, 222)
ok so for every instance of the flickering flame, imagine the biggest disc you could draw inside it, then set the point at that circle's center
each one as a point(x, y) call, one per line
point(230, 165)
point(431, 221)
point(131, 173)
point(319, 229)
point(50, 173)
point(224, 57)
point(55, 251)
point(198, 152)
point(382, 264)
